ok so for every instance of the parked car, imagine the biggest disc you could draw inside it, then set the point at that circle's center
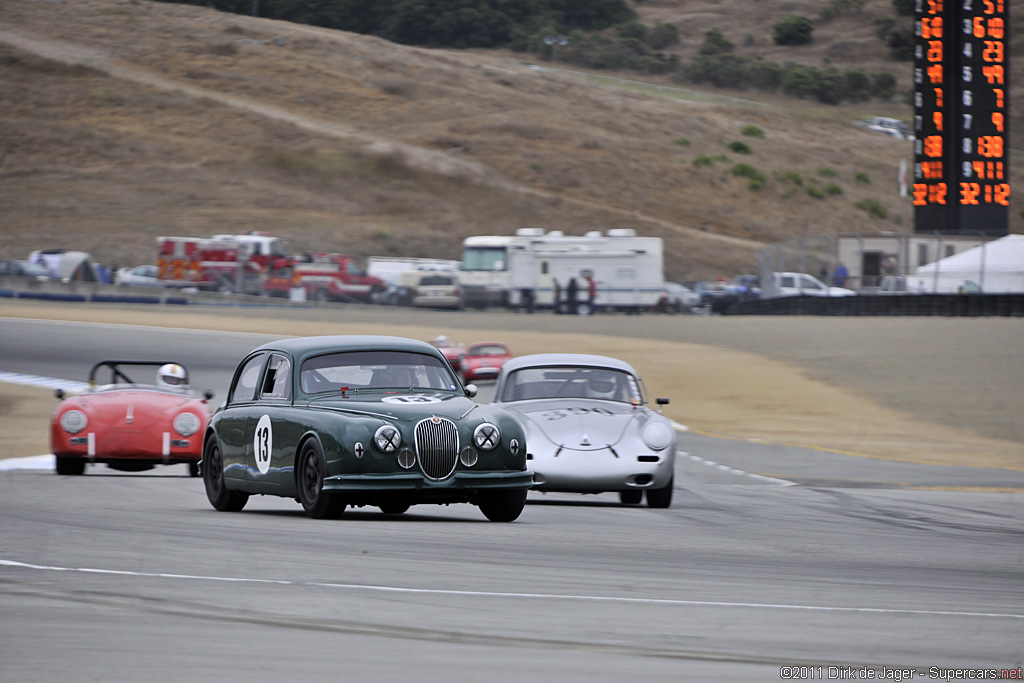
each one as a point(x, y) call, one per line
point(29, 269)
point(677, 298)
point(588, 427)
point(139, 276)
point(346, 421)
point(802, 284)
point(430, 289)
point(128, 425)
point(483, 360)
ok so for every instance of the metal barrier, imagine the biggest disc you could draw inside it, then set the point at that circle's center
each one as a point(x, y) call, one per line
point(944, 305)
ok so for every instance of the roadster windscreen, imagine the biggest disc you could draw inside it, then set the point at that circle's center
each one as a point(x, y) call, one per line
point(572, 382)
point(354, 370)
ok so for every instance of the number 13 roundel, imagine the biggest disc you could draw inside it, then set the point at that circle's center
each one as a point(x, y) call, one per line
point(263, 444)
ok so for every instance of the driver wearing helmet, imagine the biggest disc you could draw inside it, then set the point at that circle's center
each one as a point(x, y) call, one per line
point(171, 375)
point(441, 341)
point(404, 376)
point(602, 385)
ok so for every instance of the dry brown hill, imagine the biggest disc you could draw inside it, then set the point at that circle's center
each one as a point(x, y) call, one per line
point(123, 120)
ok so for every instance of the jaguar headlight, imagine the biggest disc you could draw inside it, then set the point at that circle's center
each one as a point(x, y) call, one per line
point(486, 437)
point(186, 424)
point(388, 439)
point(657, 436)
point(73, 421)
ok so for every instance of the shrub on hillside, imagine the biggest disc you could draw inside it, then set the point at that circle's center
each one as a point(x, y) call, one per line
point(793, 30)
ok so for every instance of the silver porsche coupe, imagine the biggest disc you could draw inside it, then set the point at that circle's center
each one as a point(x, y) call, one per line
point(588, 426)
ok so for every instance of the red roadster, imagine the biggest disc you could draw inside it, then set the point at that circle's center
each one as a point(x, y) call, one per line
point(131, 426)
point(483, 360)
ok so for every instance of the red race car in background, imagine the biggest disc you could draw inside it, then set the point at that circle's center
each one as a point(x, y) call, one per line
point(131, 426)
point(452, 353)
point(483, 360)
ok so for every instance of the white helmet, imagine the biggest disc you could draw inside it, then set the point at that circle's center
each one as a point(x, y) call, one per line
point(440, 340)
point(171, 375)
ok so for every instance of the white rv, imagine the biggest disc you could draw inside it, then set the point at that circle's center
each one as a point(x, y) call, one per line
point(499, 269)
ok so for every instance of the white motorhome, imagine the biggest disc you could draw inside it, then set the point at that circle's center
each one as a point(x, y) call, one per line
point(498, 269)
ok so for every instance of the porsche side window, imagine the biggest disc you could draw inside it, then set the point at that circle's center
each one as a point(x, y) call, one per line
point(245, 386)
point(277, 382)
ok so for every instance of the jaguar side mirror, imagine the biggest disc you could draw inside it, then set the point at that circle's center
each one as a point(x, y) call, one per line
point(471, 390)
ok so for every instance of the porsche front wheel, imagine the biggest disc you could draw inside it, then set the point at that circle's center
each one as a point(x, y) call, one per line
point(312, 468)
point(631, 497)
point(213, 478)
point(67, 465)
point(661, 498)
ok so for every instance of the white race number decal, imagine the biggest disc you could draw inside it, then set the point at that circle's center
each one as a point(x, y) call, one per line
point(263, 444)
point(411, 399)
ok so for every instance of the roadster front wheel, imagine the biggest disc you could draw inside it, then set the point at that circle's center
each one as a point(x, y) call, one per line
point(312, 468)
point(661, 498)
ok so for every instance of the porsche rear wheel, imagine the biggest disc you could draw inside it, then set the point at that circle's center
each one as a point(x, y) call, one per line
point(312, 468)
point(73, 466)
point(504, 505)
point(661, 498)
point(631, 497)
point(213, 478)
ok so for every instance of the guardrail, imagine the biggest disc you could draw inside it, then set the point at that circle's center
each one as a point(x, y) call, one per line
point(96, 292)
point(942, 305)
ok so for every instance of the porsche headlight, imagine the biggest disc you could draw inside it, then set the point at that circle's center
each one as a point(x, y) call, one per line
point(388, 439)
point(657, 436)
point(73, 421)
point(486, 437)
point(186, 424)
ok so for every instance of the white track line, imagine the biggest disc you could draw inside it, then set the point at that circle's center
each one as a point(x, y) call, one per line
point(489, 594)
point(742, 473)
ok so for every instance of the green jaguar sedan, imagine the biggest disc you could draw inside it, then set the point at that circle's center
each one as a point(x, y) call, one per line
point(346, 421)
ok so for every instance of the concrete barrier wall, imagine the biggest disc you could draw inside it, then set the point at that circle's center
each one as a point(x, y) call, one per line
point(948, 305)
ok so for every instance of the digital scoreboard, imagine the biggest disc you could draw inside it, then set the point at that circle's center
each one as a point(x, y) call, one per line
point(961, 182)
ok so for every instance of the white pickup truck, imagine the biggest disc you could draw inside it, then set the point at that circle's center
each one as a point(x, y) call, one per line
point(801, 284)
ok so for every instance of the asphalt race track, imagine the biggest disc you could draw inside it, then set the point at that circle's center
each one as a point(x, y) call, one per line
point(821, 560)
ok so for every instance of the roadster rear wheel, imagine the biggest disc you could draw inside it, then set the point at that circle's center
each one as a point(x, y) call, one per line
point(312, 468)
point(213, 478)
point(503, 506)
point(661, 498)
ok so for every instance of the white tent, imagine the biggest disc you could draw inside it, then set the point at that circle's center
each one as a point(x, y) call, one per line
point(996, 267)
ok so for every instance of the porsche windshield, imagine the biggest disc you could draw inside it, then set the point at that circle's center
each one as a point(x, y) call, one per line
point(572, 382)
point(372, 370)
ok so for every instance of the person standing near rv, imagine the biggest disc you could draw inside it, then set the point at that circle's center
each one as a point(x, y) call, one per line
point(591, 293)
point(570, 292)
point(556, 303)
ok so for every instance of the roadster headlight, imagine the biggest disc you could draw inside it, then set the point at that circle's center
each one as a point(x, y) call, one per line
point(186, 424)
point(73, 421)
point(657, 436)
point(486, 437)
point(388, 439)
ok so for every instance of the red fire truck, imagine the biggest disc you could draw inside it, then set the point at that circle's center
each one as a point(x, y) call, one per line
point(226, 263)
point(336, 277)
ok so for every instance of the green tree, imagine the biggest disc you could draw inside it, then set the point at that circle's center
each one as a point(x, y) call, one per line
point(663, 35)
point(793, 30)
point(715, 43)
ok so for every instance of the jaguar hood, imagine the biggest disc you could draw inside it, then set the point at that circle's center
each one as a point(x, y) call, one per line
point(400, 406)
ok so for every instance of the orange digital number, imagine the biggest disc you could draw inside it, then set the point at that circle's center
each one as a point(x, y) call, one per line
point(993, 74)
point(993, 51)
point(935, 73)
point(999, 97)
point(990, 145)
point(938, 96)
point(934, 51)
point(995, 28)
point(1002, 194)
point(934, 6)
point(931, 169)
point(931, 27)
point(997, 121)
point(993, 6)
point(969, 193)
point(933, 146)
point(937, 120)
point(937, 193)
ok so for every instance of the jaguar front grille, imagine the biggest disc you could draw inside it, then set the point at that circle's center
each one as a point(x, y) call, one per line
point(437, 447)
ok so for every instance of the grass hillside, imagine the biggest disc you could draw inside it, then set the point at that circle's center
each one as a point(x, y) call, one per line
point(123, 120)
